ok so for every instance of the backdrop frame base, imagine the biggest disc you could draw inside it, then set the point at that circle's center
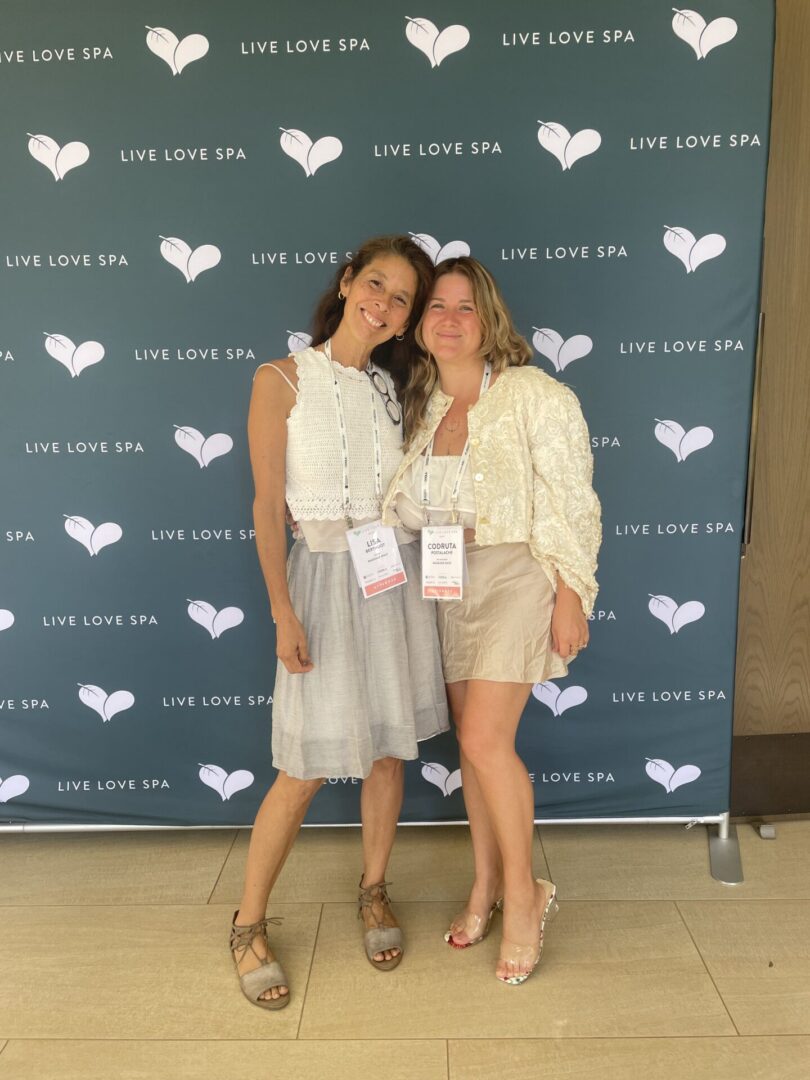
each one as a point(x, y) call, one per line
point(724, 849)
point(724, 852)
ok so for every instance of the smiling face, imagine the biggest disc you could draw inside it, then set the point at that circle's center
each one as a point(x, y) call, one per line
point(379, 299)
point(451, 328)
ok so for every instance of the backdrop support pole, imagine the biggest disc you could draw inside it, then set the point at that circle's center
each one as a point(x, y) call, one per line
point(724, 852)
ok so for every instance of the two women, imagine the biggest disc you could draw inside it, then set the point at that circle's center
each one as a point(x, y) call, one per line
point(499, 447)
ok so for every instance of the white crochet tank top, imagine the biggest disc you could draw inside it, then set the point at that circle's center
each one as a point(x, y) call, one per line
point(314, 470)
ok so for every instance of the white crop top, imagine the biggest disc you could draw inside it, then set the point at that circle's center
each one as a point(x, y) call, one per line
point(443, 472)
point(314, 469)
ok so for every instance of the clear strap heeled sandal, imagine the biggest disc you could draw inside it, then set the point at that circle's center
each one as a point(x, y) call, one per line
point(476, 927)
point(518, 954)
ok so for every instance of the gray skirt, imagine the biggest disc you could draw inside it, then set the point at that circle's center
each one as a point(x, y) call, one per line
point(376, 689)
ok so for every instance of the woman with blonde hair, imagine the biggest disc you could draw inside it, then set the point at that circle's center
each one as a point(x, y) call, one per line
point(358, 680)
point(499, 450)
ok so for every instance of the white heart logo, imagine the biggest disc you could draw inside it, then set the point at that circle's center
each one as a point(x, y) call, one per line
point(310, 156)
point(682, 443)
point(683, 245)
point(673, 616)
point(298, 340)
point(692, 28)
point(215, 622)
point(201, 449)
point(92, 537)
point(190, 263)
point(226, 784)
point(560, 352)
point(567, 148)
point(74, 357)
point(13, 786)
point(559, 701)
point(436, 46)
point(59, 159)
point(177, 54)
point(106, 705)
point(669, 778)
point(447, 782)
point(453, 249)
point(6, 619)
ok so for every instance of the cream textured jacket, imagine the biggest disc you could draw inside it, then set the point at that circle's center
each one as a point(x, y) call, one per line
point(531, 464)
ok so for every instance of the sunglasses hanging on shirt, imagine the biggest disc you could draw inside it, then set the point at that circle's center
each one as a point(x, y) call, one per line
point(393, 408)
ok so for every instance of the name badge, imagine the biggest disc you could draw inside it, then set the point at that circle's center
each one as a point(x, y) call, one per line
point(376, 558)
point(442, 562)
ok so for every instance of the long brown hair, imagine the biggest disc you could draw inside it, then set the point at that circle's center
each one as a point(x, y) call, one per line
point(395, 356)
point(501, 343)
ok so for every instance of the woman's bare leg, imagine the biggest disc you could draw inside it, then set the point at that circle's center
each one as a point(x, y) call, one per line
point(274, 831)
point(488, 873)
point(490, 718)
point(380, 806)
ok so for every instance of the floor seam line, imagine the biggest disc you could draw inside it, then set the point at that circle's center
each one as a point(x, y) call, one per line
point(705, 965)
point(150, 904)
point(309, 973)
point(439, 900)
point(222, 868)
point(543, 852)
point(402, 1039)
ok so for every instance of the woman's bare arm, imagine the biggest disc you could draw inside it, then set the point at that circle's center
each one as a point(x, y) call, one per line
point(270, 405)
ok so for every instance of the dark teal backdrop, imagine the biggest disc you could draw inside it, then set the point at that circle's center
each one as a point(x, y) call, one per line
point(175, 198)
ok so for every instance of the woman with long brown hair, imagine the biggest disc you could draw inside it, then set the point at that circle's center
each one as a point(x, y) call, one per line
point(359, 679)
point(500, 453)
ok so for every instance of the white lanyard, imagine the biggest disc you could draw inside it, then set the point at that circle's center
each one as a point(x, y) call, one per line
point(462, 465)
point(344, 438)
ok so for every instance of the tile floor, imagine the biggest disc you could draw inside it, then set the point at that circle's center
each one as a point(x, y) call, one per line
point(114, 963)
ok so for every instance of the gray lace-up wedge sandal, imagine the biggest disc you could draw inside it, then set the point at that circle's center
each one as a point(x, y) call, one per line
point(379, 938)
point(270, 972)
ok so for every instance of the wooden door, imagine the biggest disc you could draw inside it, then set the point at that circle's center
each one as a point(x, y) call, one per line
point(771, 755)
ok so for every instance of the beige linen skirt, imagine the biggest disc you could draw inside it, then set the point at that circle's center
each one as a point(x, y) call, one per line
point(501, 629)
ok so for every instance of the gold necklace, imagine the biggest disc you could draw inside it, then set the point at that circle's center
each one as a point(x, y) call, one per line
point(448, 432)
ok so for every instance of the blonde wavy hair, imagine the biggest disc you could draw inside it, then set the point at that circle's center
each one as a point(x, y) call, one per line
point(501, 343)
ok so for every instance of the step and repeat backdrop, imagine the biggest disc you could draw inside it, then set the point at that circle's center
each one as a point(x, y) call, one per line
point(180, 180)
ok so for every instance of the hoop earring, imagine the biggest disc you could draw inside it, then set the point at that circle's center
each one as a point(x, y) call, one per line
point(399, 337)
point(340, 295)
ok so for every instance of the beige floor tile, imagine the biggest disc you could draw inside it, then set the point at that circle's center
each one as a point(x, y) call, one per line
point(609, 970)
point(620, 1059)
point(174, 867)
point(658, 862)
point(759, 957)
point(428, 863)
point(76, 1060)
point(140, 972)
